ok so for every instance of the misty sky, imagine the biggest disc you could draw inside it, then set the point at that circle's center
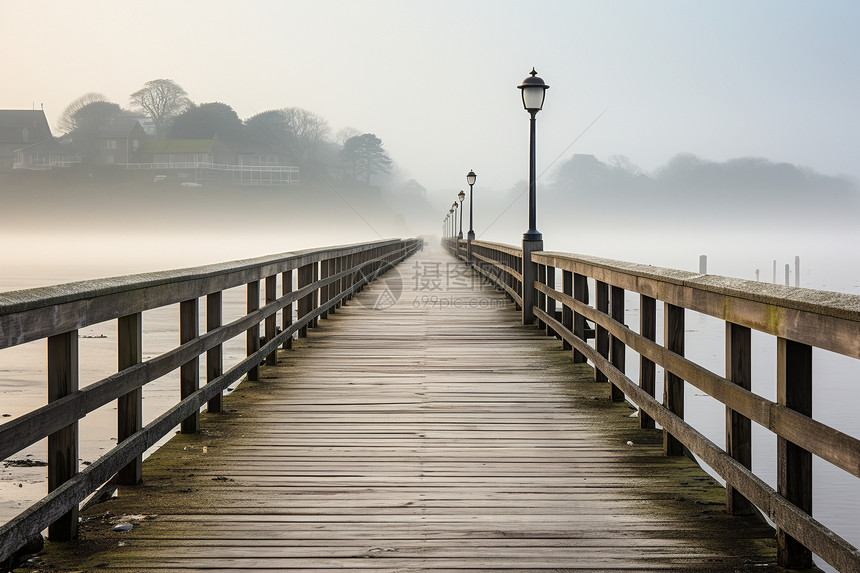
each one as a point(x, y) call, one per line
point(436, 80)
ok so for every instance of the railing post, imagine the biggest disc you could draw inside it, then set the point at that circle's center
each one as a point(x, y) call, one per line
point(271, 321)
point(580, 293)
point(566, 311)
point(550, 302)
point(252, 336)
point(305, 277)
point(647, 368)
point(287, 312)
point(530, 275)
point(617, 349)
point(315, 295)
point(214, 356)
point(129, 407)
point(325, 272)
point(540, 298)
point(601, 335)
point(738, 427)
point(189, 373)
point(63, 444)
point(793, 463)
point(673, 386)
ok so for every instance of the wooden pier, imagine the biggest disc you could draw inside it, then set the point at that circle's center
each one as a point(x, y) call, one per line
point(434, 433)
point(400, 411)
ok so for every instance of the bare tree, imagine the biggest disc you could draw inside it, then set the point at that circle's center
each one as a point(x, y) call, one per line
point(161, 100)
point(69, 120)
point(346, 133)
point(308, 128)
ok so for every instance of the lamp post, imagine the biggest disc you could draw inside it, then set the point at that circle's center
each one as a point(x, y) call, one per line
point(470, 179)
point(451, 220)
point(533, 91)
point(461, 196)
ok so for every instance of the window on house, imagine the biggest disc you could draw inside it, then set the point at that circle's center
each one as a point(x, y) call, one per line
point(111, 143)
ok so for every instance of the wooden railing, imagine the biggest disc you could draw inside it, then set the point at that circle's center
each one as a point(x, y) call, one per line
point(325, 278)
point(798, 319)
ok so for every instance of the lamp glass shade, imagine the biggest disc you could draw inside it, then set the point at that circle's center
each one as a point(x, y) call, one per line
point(461, 196)
point(533, 97)
point(471, 178)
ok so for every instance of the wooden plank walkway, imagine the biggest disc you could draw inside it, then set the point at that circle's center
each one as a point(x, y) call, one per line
point(420, 437)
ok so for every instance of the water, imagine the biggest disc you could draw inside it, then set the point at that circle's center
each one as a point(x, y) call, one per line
point(836, 499)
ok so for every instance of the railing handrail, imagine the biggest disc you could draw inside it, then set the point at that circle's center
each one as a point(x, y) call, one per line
point(16, 305)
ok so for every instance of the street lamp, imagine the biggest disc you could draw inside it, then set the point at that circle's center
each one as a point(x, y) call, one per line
point(533, 91)
point(470, 179)
point(451, 218)
point(461, 196)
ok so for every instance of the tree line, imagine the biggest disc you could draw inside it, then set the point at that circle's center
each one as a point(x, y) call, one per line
point(291, 132)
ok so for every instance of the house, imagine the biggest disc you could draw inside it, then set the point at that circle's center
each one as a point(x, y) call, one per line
point(20, 128)
point(174, 153)
point(44, 155)
point(117, 141)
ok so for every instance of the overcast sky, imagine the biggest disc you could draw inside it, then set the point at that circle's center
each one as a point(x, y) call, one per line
point(436, 80)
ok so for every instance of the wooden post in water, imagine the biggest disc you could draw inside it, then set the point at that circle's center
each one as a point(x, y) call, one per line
point(271, 321)
point(673, 386)
point(738, 427)
point(189, 373)
point(793, 463)
point(647, 368)
point(601, 335)
point(129, 408)
point(617, 348)
point(214, 356)
point(252, 336)
point(63, 444)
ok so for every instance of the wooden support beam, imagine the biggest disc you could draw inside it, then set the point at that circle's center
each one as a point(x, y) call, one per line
point(287, 312)
point(647, 368)
point(601, 335)
point(214, 356)
point(738, 427)
point(189, 373)
point(617, 349)
point(580, 293)
point(673, 386)
point(793, 463)
point(566, 311)
point(252, 335)
point(63, 444)
point(129, 410)
point(271, 321)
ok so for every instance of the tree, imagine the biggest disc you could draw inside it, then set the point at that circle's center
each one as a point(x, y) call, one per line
point(161, 100)
point(271, 128)
point(92, 107)
point(345, 133)
point(207, 121)
point(365, 156)
point(309, 130)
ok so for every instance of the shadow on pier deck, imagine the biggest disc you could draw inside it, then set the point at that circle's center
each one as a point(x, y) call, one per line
point(434, 433)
